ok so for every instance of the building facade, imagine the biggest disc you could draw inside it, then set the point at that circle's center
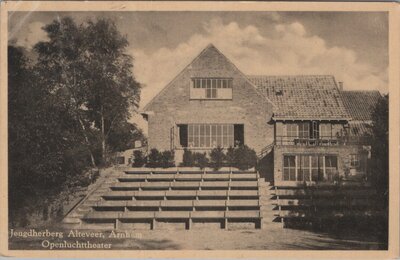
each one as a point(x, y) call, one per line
point(302, 122)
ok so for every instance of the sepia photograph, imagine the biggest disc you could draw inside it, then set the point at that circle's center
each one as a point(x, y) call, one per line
point(198, 130)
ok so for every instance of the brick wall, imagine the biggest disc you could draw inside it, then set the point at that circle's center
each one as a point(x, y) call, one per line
point(173, 105)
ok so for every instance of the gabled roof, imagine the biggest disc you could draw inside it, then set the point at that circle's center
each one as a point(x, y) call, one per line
point(303, 97)
point(360, 104)
point(210, 48)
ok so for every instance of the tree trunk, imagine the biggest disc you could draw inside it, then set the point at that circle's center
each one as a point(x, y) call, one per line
point(87, 142)
point(103, 138)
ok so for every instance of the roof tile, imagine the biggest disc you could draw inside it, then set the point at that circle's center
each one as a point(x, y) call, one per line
point(308, 97)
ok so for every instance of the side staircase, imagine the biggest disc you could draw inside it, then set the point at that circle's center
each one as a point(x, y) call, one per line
point(177, 198)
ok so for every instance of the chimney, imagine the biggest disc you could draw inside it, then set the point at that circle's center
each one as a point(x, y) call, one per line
point(340, 85)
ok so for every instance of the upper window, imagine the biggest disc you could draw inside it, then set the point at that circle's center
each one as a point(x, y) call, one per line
point(325, 131)
point(211, 88)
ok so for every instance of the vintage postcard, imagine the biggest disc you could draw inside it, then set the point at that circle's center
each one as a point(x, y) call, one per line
point(199, 129)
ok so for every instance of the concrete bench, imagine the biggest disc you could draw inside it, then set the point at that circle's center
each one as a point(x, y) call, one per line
point(216, 177)
point(176, 203)
point(119, 195)
point(137, 215)
point(213, 194)
point(126, 186)
point(160, 177)
point(181, 194)
point(103, 215)
point(250, 194)
point(215, 185)
point(134, 178)
point(243, 214)
point(150, 194)
point(244, 184)
point(209, 203)
point(242, 203)
point(193, 185)
point(172, 215)
point(244, 177)
point(155, 185)
point(143, 203)
point(188, 177)
point(111, 203)
point(208, 215)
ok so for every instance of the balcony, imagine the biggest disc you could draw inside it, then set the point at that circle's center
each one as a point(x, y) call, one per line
point(321, 141)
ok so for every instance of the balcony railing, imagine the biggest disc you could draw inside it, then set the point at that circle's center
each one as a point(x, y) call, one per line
point(321, 141)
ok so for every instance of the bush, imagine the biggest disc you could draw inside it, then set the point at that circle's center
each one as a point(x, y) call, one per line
point(187, 160)
point(200, 160)
point(154, 158)
point(160, 159)
point(217, 158)
point(245, 157)
point(230, 156)
point(167, 159)
point(139, 159)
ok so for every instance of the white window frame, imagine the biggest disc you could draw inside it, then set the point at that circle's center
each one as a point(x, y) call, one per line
point(210, 135)
point(354, 160)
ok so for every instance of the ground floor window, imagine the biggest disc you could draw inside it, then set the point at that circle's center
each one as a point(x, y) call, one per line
point(354, 161)
point(309, 167)
point(210, 135)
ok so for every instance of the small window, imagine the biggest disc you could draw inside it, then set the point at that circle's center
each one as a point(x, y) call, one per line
point(304, 130)
point(354, 160)
point(211, 88)
point(325, 131)
point(291, 130)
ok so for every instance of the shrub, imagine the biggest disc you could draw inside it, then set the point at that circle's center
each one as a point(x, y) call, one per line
point(200, 160)
point(160, 159)
point(217, 158)
point(230, 156)
point(138, 159)
point(245, 157)
point(187, 160)
point(167, 159)
point(154, 158)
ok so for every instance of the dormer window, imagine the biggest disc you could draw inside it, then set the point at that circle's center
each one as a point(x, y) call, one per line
point(211, 88)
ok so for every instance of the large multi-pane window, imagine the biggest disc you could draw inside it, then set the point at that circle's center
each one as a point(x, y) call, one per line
point(330, 167)
point(289, 168)
point(304, 171)
point(210, 135)
point(309, 167)
point(211, 88)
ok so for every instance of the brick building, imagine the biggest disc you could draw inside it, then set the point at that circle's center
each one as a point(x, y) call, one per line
point(302, 123)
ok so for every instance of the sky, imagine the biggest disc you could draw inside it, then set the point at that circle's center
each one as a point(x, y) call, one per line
point(352, 46)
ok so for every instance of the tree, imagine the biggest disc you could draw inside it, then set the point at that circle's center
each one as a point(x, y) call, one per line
point(245, 157)
point(114, 92)
point(380, 147)
point(45, 151)
point(87, 66)
point(187, 160)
